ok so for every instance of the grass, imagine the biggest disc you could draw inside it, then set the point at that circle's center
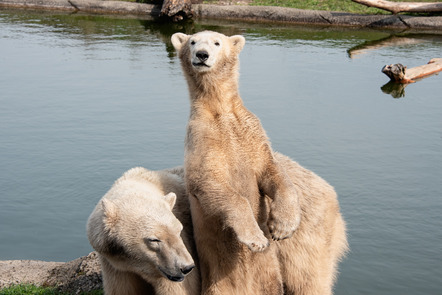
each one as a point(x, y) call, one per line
point(330, 5)
point(27, 289)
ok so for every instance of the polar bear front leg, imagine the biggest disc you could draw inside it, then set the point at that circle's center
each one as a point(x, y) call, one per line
point(232, 210)
point(285, 211)
point(252, 236)
point(284, 218)
point(238, 215)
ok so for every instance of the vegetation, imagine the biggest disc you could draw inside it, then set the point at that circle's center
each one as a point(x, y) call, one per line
point(27, 289)
point(330, 5)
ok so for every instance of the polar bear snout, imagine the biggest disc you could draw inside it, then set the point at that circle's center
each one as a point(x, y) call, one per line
point(186, 270)
point(180, 275)
point(200, 60)
point(202, 55)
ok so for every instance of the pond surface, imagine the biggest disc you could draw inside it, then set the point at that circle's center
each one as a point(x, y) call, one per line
point(84, 98)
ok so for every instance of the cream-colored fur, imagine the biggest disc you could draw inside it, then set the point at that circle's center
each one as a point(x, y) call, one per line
point(137, 229)
point(240, 195)
point(229, 164)
point(309, 259)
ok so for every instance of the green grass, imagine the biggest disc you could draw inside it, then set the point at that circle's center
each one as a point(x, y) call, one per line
point(27, 289)
point(330, 5)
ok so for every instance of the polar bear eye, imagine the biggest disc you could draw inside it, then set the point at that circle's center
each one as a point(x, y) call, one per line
point(192, 42)
point(153, 240)
point(217, 43)
point(153, 243)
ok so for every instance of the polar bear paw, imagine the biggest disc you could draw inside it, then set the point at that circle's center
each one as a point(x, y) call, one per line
point(256, 241)
point(283, 222)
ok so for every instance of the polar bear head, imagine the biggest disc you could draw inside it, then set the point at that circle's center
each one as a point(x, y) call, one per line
point(134, 229)
point(208, 51)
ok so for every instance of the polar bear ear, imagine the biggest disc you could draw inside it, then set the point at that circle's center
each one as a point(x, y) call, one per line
point(178, 39)
point(170, 198)
point(238, 42)
point(110, 211)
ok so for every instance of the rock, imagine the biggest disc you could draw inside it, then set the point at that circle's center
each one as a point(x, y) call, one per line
point(74, 277)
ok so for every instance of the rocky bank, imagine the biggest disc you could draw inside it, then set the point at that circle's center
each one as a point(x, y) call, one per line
point(74, 277)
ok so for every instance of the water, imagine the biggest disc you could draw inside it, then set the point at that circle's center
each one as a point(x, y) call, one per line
point(84, 98)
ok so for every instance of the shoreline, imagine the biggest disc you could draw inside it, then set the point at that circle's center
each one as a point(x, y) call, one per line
point(239, 12)
point(80, 275)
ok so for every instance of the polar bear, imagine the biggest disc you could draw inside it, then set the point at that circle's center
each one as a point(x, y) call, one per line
point(230, 166)
point(142, 231)
point(309, 259)
point(240, 195)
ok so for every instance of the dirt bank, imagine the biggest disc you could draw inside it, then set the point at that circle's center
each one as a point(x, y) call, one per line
point(76, 276)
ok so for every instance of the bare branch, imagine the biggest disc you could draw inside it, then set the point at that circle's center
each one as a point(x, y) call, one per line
point(396, 7)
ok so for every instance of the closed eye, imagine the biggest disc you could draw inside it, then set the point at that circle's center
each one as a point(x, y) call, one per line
point(153, 244)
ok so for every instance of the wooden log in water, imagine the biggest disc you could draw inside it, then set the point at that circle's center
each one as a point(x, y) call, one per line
point(400, 74)
point(396, 7)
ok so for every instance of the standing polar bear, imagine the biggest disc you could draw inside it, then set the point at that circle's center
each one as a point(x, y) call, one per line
point(229, 166)
point(142, 231)
point(241, 195)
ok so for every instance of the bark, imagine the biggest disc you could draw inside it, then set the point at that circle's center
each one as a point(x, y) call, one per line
point(400, 74)
point(396, 7)
point(177, 10)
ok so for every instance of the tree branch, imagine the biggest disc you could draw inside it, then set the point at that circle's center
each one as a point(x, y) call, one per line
point(396, 7)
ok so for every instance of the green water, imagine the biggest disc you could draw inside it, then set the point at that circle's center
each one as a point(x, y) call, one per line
point(84, 98)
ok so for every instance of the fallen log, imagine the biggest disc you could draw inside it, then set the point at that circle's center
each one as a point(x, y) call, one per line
point(396, 7)
point(177, 10)
point(400, 74)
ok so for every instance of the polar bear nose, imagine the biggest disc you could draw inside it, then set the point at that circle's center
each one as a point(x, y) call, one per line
point(187, 269)
point(202, 55)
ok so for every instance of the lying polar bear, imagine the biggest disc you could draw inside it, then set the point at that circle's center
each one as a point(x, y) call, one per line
point(142, 231)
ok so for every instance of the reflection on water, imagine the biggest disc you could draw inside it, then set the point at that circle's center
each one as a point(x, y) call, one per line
point(84, 98)
point(396, 90)
point(403, 40)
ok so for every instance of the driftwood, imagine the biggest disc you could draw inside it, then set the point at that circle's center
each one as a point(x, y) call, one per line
point(396, 7)
point(400, 74)
point(177, 10)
